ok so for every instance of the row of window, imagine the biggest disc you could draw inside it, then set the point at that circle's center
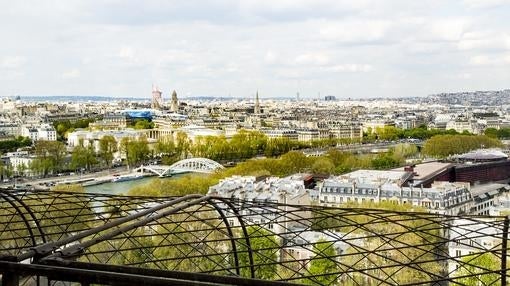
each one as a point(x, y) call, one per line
point(340, 200)
point(382, 193)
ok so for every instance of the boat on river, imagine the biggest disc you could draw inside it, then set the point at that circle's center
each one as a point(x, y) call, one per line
point(128, 177)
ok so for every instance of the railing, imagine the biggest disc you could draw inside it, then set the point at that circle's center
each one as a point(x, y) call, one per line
point(50, 237)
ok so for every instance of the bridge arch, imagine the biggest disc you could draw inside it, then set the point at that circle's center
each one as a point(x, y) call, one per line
point(197, 165)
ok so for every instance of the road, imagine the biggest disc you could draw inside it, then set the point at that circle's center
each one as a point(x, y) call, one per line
point(56, 179)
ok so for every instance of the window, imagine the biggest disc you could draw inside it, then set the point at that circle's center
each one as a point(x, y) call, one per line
point(458, 253)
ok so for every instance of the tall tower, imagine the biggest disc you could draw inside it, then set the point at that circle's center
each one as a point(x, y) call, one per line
point(157, 99)
point(256, 110)
point(174, 107)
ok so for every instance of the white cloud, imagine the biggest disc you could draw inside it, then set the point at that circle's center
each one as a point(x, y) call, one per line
point(351, 68)
point(270, 58)
point(446, 29)
point(355, 31)
point(483, 4)
point(12, 62)
point(232, 47)
point(127, 53)
point(318, 59)
point(490, 60)
point(485, 41)
point(73, 73)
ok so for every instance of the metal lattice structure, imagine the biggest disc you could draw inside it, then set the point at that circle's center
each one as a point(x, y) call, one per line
point(47, 238)
point(196, 165)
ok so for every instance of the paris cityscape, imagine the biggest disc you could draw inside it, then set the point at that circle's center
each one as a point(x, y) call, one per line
point(319, 148)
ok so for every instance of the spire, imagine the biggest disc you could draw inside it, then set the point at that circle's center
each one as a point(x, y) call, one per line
point(157, 99)
point(174, 106)
point(257, 103)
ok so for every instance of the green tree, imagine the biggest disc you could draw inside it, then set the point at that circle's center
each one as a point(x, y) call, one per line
point(50, 157)
point(473, 266)
point(385, 161)
point(323, 266)
point(491, 132)
point(323, 165)
point(387, 243)
point(446, 145)
point(387, 132)
point(136, 150)
point(83, 157)
point(14, 144)
point(264, 248)
point(294, 162)
point(143, 124)
point(182, 144)
point(107, 147)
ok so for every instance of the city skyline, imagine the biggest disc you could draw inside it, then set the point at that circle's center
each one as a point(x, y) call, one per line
point(347, 49)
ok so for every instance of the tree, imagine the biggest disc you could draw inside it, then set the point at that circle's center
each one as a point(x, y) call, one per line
point(386, 243)
point(385, 161)
point(136, 150)
point(12, 145)
point(50, 157)
point(20, 170)
point(323, 266)
point(264, 248)
point(472, 266)
point(107, 147)
point(387, 132)
point(446, 145)
point(323, 165)
point(491, 132)
point(83, 157)
point(143, 124)
point(182, 144)
point(294, 161)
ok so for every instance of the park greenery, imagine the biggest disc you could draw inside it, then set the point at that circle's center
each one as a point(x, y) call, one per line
point(264, 247)
point(13, 144)
point(323, 269)
point(389, 133)
point(471, 270)
point(502, 133)
point(441, 146)
point(63, 127)
point(50, 157)
point(141, 124)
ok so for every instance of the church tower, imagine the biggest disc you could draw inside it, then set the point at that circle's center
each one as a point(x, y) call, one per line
point(174, 106)
point(256, 110)
point(157, 99)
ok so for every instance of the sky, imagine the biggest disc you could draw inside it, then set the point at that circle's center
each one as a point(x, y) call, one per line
point(345, 48)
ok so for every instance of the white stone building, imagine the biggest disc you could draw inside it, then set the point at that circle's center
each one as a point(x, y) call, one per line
point(288, 191)
point(41, 132)
point(380, 186)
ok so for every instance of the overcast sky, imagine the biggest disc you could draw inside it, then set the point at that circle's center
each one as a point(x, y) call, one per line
point(351, 48)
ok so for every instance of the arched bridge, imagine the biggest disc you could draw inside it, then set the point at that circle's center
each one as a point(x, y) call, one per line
point(196, 165)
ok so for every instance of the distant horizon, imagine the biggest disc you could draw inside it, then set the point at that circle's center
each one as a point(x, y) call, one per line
point(148, 97)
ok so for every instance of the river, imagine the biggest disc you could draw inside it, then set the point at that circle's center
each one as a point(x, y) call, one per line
point(122, 187)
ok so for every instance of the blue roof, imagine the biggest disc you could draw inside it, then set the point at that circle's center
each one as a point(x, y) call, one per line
point(147, 114)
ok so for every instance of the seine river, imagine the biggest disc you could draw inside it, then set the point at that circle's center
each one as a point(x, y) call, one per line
point(122, 187)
